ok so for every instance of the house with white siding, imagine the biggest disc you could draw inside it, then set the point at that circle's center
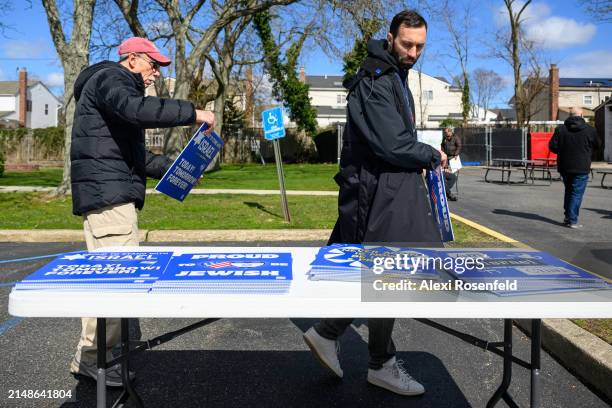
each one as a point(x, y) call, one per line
point(435, 99)
point(28, 104)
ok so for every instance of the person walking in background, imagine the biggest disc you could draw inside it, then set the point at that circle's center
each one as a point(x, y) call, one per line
point(574, 143)
point(451, 145)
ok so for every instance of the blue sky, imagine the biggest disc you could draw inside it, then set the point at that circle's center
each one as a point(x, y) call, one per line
point(568, 37)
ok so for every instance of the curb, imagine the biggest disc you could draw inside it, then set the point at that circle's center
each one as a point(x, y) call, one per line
point(584, 354)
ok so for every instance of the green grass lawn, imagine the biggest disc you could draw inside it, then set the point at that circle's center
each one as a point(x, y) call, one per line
point(47, 177)
point(233, 176)
point(599, 327)
point(219, 211)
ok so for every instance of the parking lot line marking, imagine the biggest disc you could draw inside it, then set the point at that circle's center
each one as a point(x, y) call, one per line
point(9, 324)
point(484, 229)
point(32, 258)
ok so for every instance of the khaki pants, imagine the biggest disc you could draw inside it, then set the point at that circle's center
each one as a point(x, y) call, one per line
point(115, 225)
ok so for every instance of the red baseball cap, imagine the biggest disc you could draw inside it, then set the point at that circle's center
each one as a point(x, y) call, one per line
point(139, 44)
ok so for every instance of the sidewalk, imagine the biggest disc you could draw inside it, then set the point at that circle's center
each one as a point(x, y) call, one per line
point(196, 191)
point(76, 235)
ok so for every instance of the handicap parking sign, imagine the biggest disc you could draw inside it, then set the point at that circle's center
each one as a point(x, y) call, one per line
point(273, 126)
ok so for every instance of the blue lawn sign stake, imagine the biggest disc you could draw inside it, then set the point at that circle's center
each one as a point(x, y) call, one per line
point(439, 205)
point(190, 164)
point(273, 126)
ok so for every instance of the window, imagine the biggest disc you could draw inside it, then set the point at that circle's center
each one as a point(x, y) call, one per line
point(428, 95)
point(46, 109)
point(29, 105)
point(340, 99)
point(587, 100)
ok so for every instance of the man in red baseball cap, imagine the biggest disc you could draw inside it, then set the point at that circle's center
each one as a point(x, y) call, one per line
point(110, 163)
point(142, 45)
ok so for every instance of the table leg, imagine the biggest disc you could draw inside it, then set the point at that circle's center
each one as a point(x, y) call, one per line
point(101, 354)
point(125, 363)
point(536, 342)
point(502, 390)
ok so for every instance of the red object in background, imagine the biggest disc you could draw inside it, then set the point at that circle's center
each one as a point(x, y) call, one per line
point(539, 146)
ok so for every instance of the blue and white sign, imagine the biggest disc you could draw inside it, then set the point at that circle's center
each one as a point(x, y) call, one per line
point(439, 205)
point(190, 164)
point(229, 267)
point(272, 120)
point(99, 271)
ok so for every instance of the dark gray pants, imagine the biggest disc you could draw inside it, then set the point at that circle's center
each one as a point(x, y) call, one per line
point(380, 344)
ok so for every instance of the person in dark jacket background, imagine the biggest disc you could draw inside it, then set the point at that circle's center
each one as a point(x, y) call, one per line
point(451, 145)
point(110, 164)
point(383, 196)
point(574, 142)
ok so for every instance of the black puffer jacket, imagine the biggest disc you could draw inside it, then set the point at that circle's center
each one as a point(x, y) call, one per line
point(109, 160)
point(383, 197)
point(574, 142)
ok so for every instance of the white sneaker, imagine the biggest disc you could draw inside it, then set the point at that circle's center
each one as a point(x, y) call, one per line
point(325, 350)
point(393, 378)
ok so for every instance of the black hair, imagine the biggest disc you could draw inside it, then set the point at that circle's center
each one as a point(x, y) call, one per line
point(408, 18)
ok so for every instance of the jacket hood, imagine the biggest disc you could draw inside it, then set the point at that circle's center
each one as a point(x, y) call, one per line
point(575, 123)
point(90, 71)
point(378, 49)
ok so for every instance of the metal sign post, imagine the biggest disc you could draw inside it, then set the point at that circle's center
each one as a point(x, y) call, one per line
point(274, 129)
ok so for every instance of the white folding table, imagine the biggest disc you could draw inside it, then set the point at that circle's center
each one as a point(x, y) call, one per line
point(306, 299)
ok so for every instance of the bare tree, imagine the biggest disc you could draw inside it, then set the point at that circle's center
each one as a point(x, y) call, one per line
point(600, 10)
point(523, 56)
point(5, 8)
point(487, 84)
point(74, 55)
point(458, 21)
point(193, 37)
point(423, 102)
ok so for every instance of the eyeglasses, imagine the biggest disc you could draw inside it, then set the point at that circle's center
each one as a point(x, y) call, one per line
point(154, 64)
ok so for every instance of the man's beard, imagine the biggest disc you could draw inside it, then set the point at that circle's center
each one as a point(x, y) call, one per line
point(404, 62)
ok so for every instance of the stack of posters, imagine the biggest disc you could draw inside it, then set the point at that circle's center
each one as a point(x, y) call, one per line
point(99, 271)
point(535, 272)
point(227, 273)
point(353, 262)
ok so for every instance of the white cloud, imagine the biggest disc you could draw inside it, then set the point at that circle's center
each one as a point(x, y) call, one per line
point(54, 79)
point(560, 32)
point(25, 49)
point(594, 64)
point(546, 30)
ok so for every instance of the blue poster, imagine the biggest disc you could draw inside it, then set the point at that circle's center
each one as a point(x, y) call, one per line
point(190, 164)
point(231, 268)
point(439, 205)
point(272, 121)
point(106, 267)
point(526, 265)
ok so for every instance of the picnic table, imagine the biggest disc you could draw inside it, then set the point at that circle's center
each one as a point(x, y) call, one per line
point(507, 166)
point(604, 173)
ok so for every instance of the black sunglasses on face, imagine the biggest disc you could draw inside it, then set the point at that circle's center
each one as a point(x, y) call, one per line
point(154, 64)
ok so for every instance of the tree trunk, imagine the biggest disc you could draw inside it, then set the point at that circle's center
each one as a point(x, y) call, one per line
point(75, 57)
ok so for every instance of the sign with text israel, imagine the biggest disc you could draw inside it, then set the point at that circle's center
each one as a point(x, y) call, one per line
point(102, 266)
point(190, 164)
